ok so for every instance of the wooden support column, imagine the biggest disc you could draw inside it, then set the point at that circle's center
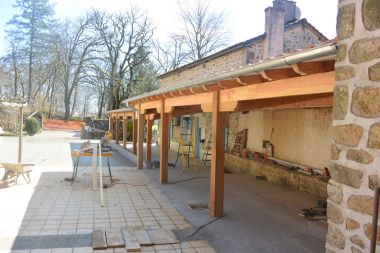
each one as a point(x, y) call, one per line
point(149, 139)
point(110, 125)
point(125, 124)
point(217, 158)
point(164, 145)
point(134, 134)
point(117, 129)
point(140, 139)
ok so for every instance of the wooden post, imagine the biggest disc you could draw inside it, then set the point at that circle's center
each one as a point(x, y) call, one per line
point(125, 124)
point(110, 125)
point(20, 134)
point(149, 139)
point(164, 145)
point(117, 128)
point(217, 158)
point(140, 140)
point(134, 134)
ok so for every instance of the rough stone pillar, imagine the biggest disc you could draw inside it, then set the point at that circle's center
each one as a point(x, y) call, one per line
point(355, 167)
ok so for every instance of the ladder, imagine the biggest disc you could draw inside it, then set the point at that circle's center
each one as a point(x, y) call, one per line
point(185, 144)
point(207, 150)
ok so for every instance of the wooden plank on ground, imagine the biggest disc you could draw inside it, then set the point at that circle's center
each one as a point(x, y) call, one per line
point(99, 239)
point(131, 243)
point(114, 238)
point(162, 236)
point(142, 237)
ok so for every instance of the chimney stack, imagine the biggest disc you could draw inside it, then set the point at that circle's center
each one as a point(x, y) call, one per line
point(282, 12)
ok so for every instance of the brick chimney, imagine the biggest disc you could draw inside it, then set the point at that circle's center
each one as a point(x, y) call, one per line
point(281, 13)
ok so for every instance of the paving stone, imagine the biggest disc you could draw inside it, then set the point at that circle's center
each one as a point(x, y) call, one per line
point(349, 135)
point(356, 239)
point(346, 21)
point(334, 214)
point(366, 102)
point(374, 72)
point(335, 152)
point(344, 73)
point(373, 182)
point(364, 50)
point(83, 250)
point(361, 204)
point(335, 237)
point(340, 102)
point(368, 229)
point(352, 224)
point(359, 156)
point(346, 175)
point(342, 52)
point(371, 14)
point(374, 136)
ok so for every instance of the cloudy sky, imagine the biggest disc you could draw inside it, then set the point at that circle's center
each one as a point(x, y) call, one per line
point(245, 17)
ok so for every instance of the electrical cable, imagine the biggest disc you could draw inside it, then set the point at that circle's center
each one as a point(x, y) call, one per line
point(199, 228)
point(185, 180)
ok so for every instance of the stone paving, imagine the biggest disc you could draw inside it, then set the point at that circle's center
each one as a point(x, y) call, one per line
point(51, 209)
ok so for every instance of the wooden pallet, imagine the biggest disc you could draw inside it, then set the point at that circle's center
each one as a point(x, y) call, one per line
point(132, 238)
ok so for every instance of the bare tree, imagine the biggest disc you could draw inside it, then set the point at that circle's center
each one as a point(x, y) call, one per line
point(125, 38)
point(75, 45)
point(171, 55)
point(204, 30)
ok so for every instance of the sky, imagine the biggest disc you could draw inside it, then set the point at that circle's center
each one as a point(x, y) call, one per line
point(245, 18)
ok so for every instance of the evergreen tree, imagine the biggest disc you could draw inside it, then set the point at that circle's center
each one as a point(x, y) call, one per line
point(30, 29)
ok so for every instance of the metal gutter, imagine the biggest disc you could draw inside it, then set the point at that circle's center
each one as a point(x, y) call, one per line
point(121, 110)
point(283, 61)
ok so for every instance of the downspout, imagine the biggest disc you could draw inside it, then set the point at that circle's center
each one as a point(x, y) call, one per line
point(288, 60)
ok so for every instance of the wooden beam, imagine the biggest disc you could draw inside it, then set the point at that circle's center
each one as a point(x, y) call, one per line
point(125, 124)
point(149, 139)
point(164, 145)
point(297, 86)
point(217, 158)
point(295, 102)
point(224, 107)
point(197, 99)
point(185, 110)
point(117, 129)
point(110, 125)
point(140, 140)
point(134, 135)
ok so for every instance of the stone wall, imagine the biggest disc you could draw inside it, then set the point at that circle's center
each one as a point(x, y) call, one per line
point(297, 37)
point(226, 62)
point(300, 136)
point(276, 174)
point(356, 135)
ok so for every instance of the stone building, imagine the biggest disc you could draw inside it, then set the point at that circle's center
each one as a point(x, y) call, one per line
point(298, 133)
point(309, 127)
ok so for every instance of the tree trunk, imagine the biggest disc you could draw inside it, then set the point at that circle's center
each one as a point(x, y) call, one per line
point(101, 104)
point(74, 101)
point(67, 108)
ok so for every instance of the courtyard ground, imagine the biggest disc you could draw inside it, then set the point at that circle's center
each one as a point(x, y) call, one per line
point(50, 215)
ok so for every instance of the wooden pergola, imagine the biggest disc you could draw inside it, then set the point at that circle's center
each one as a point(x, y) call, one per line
point(304, 84)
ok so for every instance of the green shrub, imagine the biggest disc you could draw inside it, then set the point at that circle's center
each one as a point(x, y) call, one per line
point(32, 126)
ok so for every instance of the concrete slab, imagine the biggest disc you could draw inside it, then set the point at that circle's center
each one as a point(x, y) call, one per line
point(259, 216)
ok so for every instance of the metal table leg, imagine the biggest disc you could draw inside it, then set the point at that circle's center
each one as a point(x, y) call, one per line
point(109, 168)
